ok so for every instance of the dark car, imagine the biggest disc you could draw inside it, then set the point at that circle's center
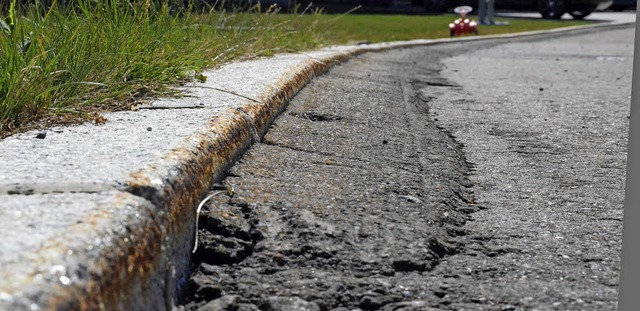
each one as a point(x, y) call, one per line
point(621, 5)
point(550, 9)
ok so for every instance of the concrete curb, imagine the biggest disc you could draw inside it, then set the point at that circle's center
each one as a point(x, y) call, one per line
point(130, 248)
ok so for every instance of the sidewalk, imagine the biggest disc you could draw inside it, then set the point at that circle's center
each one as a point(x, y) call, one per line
point(103, 216)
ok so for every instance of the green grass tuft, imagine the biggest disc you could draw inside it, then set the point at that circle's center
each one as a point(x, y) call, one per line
point(67, 62)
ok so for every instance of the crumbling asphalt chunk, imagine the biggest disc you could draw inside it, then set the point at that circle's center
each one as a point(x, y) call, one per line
point(323, 216)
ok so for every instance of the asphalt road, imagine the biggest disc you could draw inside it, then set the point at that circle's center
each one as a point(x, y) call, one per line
point(627, 16)
point(464, 176)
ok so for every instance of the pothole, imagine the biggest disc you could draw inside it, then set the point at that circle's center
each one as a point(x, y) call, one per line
point(316, 117)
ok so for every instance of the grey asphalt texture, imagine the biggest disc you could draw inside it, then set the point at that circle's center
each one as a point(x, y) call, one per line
point(546, 126)
point(463, 176)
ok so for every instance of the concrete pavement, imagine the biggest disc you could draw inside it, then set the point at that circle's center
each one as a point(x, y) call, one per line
point(103, 216)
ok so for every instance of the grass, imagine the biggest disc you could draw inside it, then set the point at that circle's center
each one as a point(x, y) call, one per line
point(69, 64)
point(377, 28)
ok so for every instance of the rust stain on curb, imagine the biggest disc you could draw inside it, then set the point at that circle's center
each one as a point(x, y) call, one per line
point(178, 189)
point(117, 245)
point(124, 263)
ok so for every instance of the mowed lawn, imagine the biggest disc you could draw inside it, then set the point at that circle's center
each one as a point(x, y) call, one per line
point(380, 28)
point(71, 64)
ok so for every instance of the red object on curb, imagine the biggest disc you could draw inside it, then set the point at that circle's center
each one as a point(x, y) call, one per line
point(463, 25)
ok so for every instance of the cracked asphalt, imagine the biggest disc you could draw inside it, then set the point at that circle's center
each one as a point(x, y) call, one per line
point(482, 175)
